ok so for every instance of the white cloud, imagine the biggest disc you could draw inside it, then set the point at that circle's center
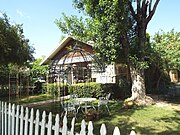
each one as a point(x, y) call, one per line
point(28, 17)
point(19, 13)
point(22, 14)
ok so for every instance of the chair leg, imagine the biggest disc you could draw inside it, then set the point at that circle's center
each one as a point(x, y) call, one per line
point(98, 108)
point(93, 106)
point(78, 109)
point(107, 108)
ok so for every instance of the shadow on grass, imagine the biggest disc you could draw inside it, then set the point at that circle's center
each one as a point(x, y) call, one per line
point(127, 120)
point(172, 126)
point(143, 120)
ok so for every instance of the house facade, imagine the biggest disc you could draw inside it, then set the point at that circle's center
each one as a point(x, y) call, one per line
point(75, 62)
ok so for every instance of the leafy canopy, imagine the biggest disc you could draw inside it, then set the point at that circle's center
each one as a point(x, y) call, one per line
point(14, 47)
point(167, 46)
point(105, 24)
point(38, 70)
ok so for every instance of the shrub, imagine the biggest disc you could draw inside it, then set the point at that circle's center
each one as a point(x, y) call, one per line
point(55, 89)
point(91, 89)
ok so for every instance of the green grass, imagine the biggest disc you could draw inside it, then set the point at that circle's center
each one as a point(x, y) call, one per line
point(144, 120)
point(151, 120)
point(27, 99)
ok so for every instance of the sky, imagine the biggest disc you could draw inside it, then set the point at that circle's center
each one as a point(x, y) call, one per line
point(38, 17)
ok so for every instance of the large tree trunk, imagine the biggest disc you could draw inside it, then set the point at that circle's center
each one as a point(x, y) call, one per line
point(142, 15)
point(138, 84)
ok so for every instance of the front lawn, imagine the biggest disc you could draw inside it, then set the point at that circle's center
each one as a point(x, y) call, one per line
point(152, 120)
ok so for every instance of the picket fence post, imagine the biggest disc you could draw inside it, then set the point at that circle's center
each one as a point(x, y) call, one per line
point(103, 130)
point(31, 122)
point(21, 120)
point(9, 118)
point(116, 131)
point(43, 122)
point(132, 132)
point(90, 128)
point(72, 126)
point(17, 120)
point(13, 120)
point(83, 128)
point(2, 118)
point(56, 132)
point(49, 124)
point(37, 123)
point(64, 128)
point(5, 118)
point(26, 121)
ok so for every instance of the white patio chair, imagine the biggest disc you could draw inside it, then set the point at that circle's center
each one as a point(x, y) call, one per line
point(74, 102)
point(68, 107)
point(104, 101)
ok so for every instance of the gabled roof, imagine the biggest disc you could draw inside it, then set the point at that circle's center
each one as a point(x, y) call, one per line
point(62, 44)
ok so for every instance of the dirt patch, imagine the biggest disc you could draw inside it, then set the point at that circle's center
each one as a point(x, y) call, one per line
point(162, 101)
point(169, 105)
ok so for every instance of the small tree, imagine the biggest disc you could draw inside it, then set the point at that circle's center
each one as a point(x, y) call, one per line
point(15, 50)
point(167, 46)
point(38, 70)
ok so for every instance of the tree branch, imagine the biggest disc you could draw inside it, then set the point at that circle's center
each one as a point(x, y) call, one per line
point(150, 3)
point(151, 13)
point(144, 8)
point(138, 6)
point(132, 10)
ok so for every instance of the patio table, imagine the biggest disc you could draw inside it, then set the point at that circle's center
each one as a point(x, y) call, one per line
point(85, 101)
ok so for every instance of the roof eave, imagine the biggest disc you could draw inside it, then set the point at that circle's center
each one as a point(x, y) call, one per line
point(56, 50)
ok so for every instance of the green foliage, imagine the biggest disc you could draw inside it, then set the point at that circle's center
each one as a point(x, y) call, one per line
point(86, 89)
point(4, 74)
point(76, 27)
point(81, 89)
point(107, 22)
point(55, 89)
point(167, 46)
point(14, 46)
point(138, 64)
point(52, 89)
point(38, 70)
point(4, 90)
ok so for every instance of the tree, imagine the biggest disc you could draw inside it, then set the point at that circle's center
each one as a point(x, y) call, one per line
point(14, 47)
point(142, 15)
point(38, 70)
point(76, 27)
point(119, 30)
point(167, 46)
point(15, 50)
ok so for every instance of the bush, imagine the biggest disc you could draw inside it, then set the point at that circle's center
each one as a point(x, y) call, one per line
point(55, 89)
point(91, 89)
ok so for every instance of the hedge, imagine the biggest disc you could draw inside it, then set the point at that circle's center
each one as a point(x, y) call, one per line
point(91, 89)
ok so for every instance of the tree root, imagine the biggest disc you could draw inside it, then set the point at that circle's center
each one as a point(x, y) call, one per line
point(144, 102)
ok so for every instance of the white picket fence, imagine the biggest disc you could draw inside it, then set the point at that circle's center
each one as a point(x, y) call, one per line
point(15, 120)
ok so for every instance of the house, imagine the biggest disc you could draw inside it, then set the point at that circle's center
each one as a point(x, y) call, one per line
point(74, 61)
